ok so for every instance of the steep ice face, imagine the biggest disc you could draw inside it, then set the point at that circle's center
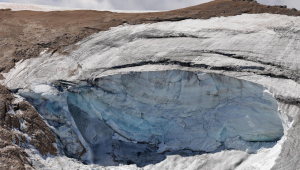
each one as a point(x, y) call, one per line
point(170, 110)
point(179, 109)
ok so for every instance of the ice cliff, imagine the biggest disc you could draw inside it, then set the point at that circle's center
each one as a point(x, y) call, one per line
point(221, 92)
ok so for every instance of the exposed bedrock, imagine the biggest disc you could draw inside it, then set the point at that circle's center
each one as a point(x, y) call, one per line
point(139, 117)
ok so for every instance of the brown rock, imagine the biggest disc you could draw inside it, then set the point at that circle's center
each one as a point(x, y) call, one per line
point(42, 136)
point(11, 156)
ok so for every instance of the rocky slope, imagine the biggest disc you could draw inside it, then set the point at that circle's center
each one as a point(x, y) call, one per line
point(219, 92)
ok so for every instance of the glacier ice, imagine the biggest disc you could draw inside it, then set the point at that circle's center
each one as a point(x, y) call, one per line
point(194, 110)
point(169, 110)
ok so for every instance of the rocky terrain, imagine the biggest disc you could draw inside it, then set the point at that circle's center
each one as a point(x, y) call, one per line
point(210, 86)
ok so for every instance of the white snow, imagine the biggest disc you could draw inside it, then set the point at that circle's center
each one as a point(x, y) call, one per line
point(41, 88)
point(21, 7)
point(263, 160)
point(46, 8)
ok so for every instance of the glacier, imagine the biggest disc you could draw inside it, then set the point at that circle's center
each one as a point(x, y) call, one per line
point(168, 110)
point(181, 109)
point(154, 94)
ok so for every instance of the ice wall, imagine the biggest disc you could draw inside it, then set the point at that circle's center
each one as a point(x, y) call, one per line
point(182, 109)
point(171, 110)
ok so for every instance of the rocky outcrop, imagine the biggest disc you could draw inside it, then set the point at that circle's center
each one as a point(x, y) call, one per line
point(20, 128)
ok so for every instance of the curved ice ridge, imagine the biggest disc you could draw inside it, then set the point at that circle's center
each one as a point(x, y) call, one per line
point(171, 110)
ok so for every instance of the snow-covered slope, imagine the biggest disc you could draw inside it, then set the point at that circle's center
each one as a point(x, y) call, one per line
point(214, 93)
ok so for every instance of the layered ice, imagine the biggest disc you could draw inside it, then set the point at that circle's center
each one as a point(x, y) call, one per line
point(169, 110)
point(183, 110)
